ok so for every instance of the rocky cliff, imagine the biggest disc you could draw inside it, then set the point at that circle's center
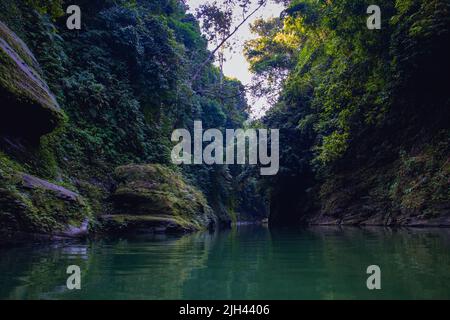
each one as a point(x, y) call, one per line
point(86, 119)
point(364, 115)
point(29, 108)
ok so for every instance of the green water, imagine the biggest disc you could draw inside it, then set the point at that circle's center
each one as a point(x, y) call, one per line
point(249, 262)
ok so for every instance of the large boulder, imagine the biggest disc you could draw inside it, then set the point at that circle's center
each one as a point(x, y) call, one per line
point(31, 205)
point(155, 197)
point(28, 108)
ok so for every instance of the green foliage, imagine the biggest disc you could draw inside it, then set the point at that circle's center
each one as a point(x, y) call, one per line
point(332, 147)
point(351, 97)
point(349, 66)
point(125, 83)
point(51, 7)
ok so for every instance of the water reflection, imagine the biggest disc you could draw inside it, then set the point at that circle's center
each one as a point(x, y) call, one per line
point(249, 262)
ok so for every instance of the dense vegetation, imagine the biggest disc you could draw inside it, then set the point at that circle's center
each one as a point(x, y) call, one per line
point(87, 115)
point(124, 82)
point(364, 114)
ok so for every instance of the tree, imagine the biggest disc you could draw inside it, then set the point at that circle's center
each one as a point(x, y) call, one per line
point(221, 22)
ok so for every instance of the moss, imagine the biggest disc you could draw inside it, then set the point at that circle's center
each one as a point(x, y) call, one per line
point(157, 190)
point(8, 165)
point(39, 211)
point(18, 46)
point(421, 182)
point(28, 105)
point(123, 221)
point(96, 195)
point(34, 209)
point(55, 212)
point(46, 161)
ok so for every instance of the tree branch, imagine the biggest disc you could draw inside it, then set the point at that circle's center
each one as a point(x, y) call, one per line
point(213, 52)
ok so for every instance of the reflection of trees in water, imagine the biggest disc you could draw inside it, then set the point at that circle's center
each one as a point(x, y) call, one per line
point(326, 263)
point(409, 259)
point(140, 269)
point(31, 272)
point(124, 268)
point(247, 262)
point(235, 265)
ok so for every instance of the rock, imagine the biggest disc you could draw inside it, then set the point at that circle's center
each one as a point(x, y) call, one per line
point(35, 206)
point(144, 224)
point(28, 109)
point(76, 231)
point(32, 182)
point(155, 190)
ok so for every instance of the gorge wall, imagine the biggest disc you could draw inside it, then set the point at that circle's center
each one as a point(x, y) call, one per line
point(87, 116)
point(364, 115)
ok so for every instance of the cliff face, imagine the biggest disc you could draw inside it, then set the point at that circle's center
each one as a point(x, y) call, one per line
point(76, 105)
point(398, 172)
point(29, 110)
point(28, 107)
point(364, 115)
point(412, 190)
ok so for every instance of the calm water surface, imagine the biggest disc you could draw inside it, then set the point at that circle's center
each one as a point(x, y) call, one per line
point(249, 262)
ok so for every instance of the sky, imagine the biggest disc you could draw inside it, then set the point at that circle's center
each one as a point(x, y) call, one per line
point(235, 65)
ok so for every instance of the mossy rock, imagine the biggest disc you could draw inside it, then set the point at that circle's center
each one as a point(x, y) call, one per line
point(146, 224)
point(156, 190)
point(28, 109)
point(32, 205)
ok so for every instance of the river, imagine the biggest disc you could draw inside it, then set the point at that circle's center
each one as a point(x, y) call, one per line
point(247, 262)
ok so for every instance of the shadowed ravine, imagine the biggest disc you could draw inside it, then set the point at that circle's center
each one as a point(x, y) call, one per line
point(250, 262)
